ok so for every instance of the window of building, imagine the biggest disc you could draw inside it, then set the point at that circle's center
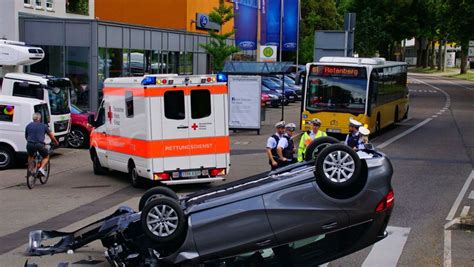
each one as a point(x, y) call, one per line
point(185, 63)
point(200, 104)
point(114, 63)
point(174, 105)
point(129, 104)
point(137, 62)
point(80, 7)
point(126, 63)
point(173, 62)
point(101, 73)
point(27, 3)
point(7, 112)
point(38, 4)
point(77, 70)
point(49, 4)
point(163, 62)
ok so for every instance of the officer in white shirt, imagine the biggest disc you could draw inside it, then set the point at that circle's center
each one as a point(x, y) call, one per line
point(286, 147)
point(272, 143)
point(352, 139)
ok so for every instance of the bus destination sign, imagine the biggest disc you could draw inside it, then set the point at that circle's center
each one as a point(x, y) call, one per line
point(338, 71)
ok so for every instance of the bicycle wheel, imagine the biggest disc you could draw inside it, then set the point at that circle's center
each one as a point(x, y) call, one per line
point(44, 179)
point(31, 174)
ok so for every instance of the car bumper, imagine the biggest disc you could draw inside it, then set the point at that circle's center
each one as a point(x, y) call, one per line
point(193, 181)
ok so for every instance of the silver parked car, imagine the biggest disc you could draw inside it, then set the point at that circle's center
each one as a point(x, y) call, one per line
point(304, 214)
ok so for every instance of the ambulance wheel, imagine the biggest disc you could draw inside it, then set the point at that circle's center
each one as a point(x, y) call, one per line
point(317, 145)
point(98, 169)
point(163, 220)
point(135, 179)
point(154, 193)
point(338, 167)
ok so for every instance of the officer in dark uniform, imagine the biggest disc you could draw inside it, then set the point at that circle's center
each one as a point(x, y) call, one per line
point(272, 143)
point(286, 147)
point(353, 138)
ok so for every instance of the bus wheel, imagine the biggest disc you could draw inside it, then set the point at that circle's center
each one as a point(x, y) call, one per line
point(396, 115)
point(377, 124)
point(406, 113)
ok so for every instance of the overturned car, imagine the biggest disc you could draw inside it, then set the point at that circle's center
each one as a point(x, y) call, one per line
point(304, 214)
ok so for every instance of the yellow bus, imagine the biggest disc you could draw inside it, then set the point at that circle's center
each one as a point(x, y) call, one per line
point(370, 90)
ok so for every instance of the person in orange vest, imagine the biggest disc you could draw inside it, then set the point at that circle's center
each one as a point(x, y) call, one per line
point(309, 136)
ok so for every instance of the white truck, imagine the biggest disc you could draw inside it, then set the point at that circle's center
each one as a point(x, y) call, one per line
point(15, 114)
point(168, 128)
point(54, 91)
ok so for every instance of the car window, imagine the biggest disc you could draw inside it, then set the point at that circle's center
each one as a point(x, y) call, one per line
point(25, 89)
point(174, 105)
point(44, 111)
point(7, 112)
point(129, 104)
point(200, 103)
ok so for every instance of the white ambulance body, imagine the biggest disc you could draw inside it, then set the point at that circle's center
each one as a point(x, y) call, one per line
point(167, 128)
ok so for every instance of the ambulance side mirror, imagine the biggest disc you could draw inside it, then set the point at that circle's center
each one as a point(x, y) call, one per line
point(90, 120)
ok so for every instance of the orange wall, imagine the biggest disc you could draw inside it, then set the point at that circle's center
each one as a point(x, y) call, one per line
point(168, 14)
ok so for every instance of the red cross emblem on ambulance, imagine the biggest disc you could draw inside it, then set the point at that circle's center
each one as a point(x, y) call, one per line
point(194, 126)
point(110, 115)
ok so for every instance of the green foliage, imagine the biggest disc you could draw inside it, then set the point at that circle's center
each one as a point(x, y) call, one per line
point(77, 7)
point(316, 15)
point(217, 47)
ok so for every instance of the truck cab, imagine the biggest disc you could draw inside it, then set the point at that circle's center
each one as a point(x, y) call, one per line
point(15, 114)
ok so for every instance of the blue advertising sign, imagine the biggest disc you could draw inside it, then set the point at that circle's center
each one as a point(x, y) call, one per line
point(245, 24)
point(290, 25)
point(270, 22)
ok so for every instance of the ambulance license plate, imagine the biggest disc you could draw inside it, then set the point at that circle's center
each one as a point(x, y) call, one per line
point(190, 173)
point(329, 130)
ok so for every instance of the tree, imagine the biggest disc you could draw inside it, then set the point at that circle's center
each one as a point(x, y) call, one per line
point(316, 15)
point(217, 47)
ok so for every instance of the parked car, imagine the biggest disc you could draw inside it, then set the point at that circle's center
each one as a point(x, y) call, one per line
point(273, 98)
point(297, 88)
point(275, 85)
point(303, 214)
point(80, 129)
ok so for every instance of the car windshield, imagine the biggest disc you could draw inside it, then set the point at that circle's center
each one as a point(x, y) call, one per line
point(336, 88)
point(76, 110)
point(58, 92)
point(271, 83)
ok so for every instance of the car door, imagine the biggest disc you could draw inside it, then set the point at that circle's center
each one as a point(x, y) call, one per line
point(202, 128)
point(175, 125)
point(300, 211)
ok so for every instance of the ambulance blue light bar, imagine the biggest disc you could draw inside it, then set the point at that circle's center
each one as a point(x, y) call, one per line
point(149, 80)
point(221, 77)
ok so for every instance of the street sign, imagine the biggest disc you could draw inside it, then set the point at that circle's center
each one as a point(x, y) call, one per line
point(471, 51)
point(268, 53)
point(471, 43)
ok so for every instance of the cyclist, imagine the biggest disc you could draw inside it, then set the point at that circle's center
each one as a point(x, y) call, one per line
point(35, 133)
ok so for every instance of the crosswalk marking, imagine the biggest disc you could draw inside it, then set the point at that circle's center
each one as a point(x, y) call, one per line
point(471, 195)
point(387, 252)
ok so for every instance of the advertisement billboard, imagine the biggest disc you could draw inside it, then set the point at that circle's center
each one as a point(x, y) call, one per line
point(245, 24)
point(290, 25)
point(244, 102)
point(270, 20)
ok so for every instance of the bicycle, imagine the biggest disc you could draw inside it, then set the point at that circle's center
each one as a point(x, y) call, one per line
point(33, 173)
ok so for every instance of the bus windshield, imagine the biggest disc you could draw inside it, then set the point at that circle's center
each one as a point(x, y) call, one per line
point(58, 92)
point(336, 88)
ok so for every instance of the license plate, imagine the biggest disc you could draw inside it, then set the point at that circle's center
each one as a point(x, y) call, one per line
point(329, 130)
point(61, 139)
point(291, 97)
point(190, 173)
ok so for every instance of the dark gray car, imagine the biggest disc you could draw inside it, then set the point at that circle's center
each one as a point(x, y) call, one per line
point(302, 215)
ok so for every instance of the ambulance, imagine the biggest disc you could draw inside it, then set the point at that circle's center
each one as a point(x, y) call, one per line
point(167, 128)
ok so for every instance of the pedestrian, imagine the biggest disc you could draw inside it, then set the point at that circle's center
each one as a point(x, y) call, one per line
point(308, 136)
point(272, 143)
point(352, 139)
point(286, 148)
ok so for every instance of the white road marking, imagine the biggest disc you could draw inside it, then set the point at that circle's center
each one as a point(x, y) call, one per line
point(457, 202)
point(447, 248)
point(395, 138)
point(434, 116)
point(465, 211)
point(471, 195)
point(387, 252)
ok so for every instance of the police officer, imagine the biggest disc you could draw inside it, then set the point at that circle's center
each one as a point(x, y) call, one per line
point(309, 136)
point(364, 139)
point(272, 143)
point(286, 147)
point(352, 138)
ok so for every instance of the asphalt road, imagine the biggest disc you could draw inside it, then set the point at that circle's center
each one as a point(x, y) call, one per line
point(432, 153)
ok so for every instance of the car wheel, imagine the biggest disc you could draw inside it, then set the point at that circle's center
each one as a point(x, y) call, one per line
point(163, 220)
point(317, 145)
point(98, 169)
point(77, 138)
point(7, 157)
point(338, 166)
point(154, 193)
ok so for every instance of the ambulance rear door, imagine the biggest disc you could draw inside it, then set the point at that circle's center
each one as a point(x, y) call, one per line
point(175, 125)
point(202, 134)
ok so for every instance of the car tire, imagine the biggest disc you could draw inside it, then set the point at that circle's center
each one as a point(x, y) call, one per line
point(98, 169)
point(135, 179)
point(7, 157)
point(160, 228)
point(154, 193)
point(338, 167)
point(78, 138)
point(317, 145)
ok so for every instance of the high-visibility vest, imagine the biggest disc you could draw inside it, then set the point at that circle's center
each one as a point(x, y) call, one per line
point(305, 141)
